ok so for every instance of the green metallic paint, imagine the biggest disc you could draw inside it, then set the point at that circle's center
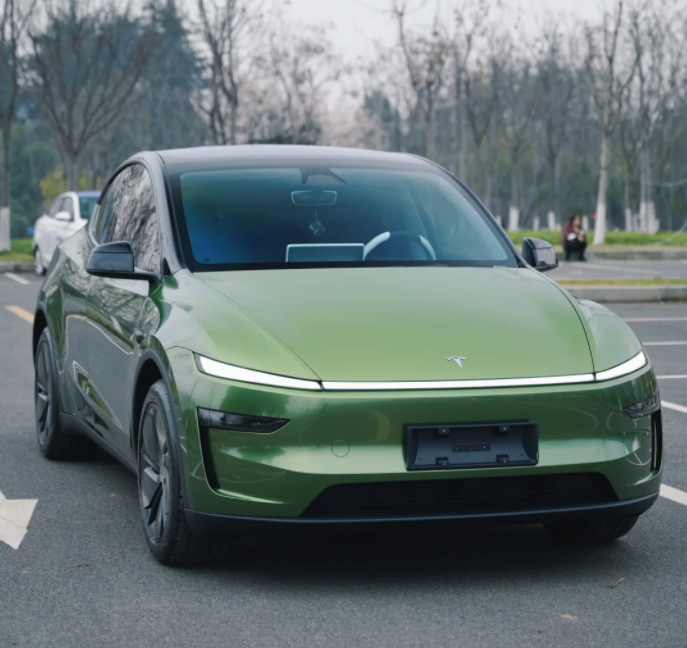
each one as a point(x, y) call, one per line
point(393, 323)
point(582, 429)
point(400, 323)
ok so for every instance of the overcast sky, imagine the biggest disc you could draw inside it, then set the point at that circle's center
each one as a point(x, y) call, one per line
point(357, 21)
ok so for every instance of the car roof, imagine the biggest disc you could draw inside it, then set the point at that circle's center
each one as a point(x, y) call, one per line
point(267, 152)
point(88, 194)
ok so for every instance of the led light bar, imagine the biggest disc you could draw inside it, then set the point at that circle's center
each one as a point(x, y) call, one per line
point(222, 370)
point(632, 365)
point(231, 372)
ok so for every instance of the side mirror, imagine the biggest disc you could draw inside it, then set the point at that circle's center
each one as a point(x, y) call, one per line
point(64, 216)
point(539, 254)
point(116, 261)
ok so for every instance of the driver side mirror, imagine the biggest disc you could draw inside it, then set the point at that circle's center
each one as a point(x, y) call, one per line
point(116, 261)
point(63, 216)
point(539, 254)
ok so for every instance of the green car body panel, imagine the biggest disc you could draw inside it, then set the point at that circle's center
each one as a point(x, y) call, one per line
point(303, 324)
point(346, 324)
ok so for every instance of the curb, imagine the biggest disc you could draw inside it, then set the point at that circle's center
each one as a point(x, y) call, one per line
point(639, 254)
point(629, 294)
point(16, 267)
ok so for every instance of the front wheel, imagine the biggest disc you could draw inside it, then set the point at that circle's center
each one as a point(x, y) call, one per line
point(167, 532)
point(595, 530)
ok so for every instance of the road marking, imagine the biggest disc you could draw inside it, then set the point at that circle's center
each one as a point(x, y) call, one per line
point(673, 377)
point(673, 406)
point(664, 343)
point(620, 268)
point(656, 319)
point(17, 278)
point(15, 516)
point(20, 312)
point(674, 494)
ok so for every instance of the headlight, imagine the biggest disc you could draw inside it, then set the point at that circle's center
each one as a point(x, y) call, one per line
point(623, 369)
point(222, 370)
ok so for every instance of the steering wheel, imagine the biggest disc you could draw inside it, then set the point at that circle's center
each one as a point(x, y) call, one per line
point(388, 236)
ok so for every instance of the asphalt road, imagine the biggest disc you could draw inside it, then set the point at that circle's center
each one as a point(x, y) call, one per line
point(83, 576)
point(576, 270)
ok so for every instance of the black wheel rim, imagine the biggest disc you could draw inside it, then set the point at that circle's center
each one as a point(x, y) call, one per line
point(44, 393)
point(154, 472)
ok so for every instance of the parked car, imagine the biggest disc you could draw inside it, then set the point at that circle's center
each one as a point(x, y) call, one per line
point(309, 336)
point(67, 214)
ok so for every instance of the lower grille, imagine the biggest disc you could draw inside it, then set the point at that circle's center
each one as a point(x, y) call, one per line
point(460, 496)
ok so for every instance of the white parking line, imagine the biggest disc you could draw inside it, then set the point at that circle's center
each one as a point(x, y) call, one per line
point(655, 319)
point(673, 377)
point(673, 406)
point(17, 278)
point(620, 268)
point(681, 343)
point(673, 494)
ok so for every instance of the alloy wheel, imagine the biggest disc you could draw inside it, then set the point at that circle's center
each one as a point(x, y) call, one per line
point(154, 460)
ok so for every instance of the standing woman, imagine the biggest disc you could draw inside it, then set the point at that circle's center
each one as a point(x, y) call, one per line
point(574, 239)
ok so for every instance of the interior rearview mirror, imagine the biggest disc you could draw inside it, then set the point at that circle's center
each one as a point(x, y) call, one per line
point(539, 254)
point(63, 216)
point(116, 261)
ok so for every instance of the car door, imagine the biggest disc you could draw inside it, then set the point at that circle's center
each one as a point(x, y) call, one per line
point(114, 306)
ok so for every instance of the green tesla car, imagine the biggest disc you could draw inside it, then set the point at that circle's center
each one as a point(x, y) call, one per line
point(319, 336)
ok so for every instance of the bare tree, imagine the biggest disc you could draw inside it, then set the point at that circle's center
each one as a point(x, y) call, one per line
point(425, 58)
point(609, 83)
point(13, 21)
point(224, 27)
point(87, 65)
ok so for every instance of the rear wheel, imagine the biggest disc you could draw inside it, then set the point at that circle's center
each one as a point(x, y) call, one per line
point(596, 530)
point(52, 440)
point(38, 264)
point(167, 532)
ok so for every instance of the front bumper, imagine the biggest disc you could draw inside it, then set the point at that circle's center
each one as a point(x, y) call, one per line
point(344, 438)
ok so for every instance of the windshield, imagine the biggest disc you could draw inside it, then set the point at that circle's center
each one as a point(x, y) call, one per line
point(304, 216)
point(86, 205)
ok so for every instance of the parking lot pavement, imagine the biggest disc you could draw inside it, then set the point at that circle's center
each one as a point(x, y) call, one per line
point(620, 270)
point(83, 576)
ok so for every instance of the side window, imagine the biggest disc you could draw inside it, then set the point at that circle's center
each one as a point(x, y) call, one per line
point(139, 220)
point(127, 213)
point(104, 228)
point(55, 207)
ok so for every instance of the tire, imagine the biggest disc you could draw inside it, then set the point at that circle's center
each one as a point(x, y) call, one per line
point(38, 264)
point(52, 440)
point(160, 494)
point(595, 530)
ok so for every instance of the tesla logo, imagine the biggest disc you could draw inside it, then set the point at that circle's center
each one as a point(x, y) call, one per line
point(457, 359)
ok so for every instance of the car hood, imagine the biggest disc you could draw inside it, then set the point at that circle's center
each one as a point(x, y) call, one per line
point(401, 323)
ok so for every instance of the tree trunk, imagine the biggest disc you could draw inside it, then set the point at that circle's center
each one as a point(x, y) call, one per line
point(513, 211)
point(72, 169)
point(430, 138)
point(462, 153)
point(604, 163)
point(5, 243)
point(628, 207)
point(647, 207)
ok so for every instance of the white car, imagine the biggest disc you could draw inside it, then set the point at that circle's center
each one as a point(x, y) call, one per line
point(68, 213)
